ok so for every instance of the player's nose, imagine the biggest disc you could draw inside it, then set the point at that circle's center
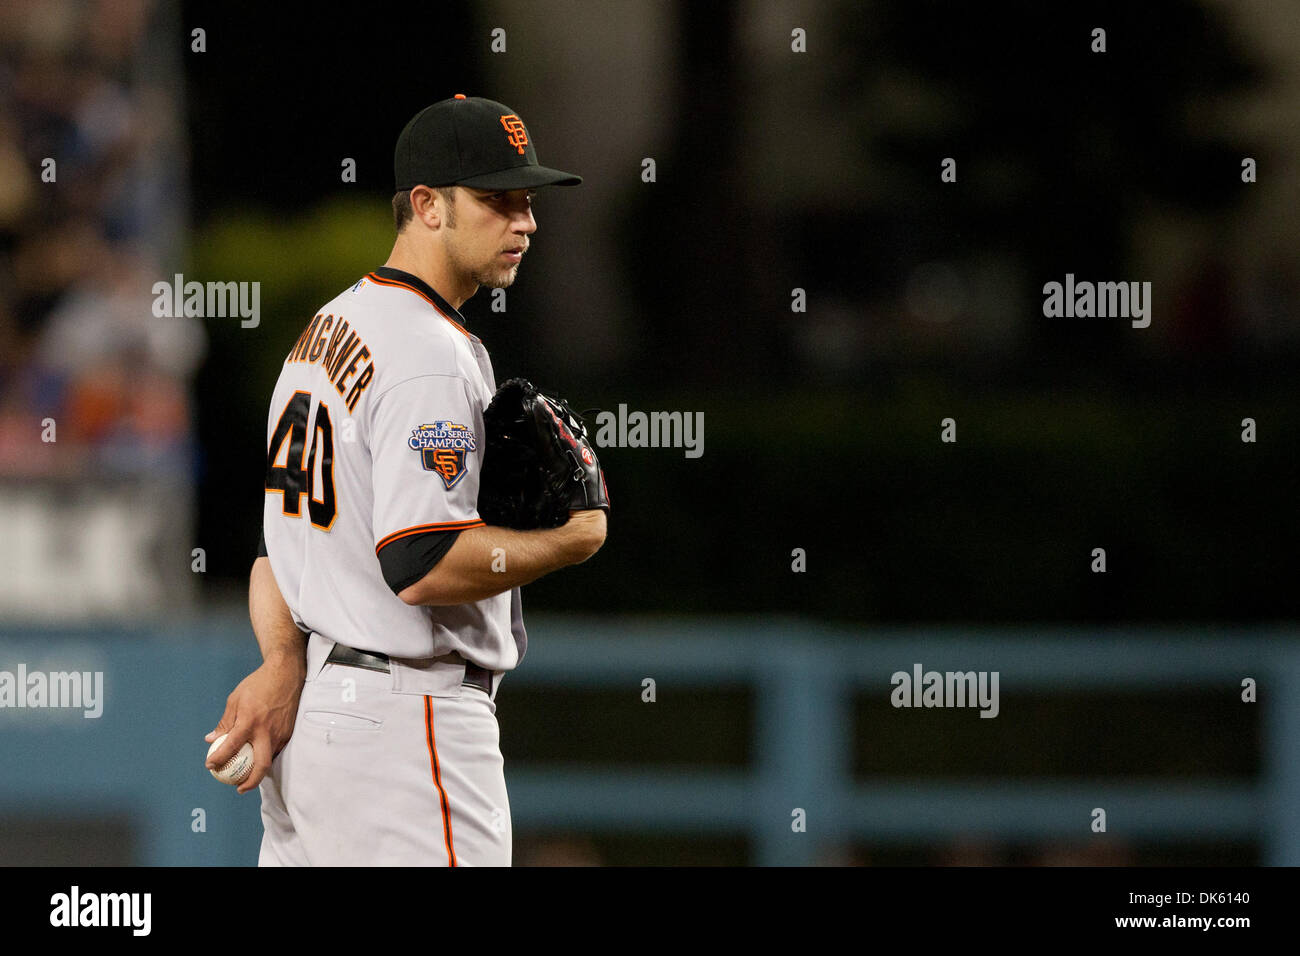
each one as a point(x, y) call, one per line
point(524, 223)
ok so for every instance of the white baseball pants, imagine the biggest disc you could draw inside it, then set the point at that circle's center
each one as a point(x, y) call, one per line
point(396, 769)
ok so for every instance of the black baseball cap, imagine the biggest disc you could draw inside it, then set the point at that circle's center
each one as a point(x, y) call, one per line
point(471, 141)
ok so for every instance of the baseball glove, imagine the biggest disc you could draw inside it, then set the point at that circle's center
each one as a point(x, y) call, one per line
point(537, 461)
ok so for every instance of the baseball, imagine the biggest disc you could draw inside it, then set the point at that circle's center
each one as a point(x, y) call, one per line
point(237, 767)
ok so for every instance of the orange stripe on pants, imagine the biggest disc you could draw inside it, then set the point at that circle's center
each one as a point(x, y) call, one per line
point(437, 779)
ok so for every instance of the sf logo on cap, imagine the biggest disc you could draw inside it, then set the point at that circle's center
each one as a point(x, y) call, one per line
point(518, 135)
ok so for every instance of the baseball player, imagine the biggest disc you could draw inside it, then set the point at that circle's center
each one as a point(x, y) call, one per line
point(386, 610)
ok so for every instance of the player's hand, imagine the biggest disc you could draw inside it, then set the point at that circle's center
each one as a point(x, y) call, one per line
point(261, 710)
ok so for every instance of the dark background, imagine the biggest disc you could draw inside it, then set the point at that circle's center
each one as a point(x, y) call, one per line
point(822, 428)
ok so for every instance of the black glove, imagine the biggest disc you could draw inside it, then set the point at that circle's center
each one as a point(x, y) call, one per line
point(538, 464)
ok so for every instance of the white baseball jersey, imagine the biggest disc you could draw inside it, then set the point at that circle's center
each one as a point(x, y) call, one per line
point(375, 447)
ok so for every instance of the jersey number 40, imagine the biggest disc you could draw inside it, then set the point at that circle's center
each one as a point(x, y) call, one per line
point(311, 474)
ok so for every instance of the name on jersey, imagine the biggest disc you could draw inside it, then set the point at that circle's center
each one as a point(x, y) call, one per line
point(340, 352)
point(442, 447)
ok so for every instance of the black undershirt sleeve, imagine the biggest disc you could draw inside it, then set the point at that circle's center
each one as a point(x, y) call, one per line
point(406, 560)
point(261, 546)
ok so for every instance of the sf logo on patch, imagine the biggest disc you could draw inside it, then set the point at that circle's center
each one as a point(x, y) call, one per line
point(442, 447)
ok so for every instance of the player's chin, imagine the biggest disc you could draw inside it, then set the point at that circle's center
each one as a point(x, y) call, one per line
point(498, 279)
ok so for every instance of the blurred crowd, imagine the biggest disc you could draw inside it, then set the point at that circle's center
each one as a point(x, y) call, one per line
point(92, 214)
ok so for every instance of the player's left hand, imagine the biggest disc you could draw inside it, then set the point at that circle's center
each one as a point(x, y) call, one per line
point(261, 710)
point(538, 462)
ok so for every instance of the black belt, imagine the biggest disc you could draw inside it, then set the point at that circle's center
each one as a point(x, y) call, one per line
point(475, 676)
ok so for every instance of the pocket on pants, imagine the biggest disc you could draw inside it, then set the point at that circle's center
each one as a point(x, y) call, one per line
point(334, 720)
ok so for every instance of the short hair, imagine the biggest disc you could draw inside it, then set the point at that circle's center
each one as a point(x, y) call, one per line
point(403, 213)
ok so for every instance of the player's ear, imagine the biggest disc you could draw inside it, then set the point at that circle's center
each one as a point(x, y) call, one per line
point(427, 206)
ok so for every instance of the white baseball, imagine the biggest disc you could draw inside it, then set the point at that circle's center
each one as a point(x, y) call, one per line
point(237, 767)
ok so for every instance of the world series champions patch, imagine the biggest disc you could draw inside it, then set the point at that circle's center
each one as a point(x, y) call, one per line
point(442, 447)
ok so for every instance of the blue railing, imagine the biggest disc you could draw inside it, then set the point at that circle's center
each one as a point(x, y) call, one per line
point(165, 688)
